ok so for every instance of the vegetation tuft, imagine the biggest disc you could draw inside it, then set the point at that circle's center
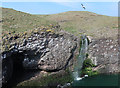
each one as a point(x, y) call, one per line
point(87, 68)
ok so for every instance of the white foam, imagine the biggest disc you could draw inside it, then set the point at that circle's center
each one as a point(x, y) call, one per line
point(85, 75)
point(78, 78)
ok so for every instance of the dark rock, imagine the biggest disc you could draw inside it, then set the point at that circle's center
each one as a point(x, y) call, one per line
point(49, 52)
point(55, 53)
point(7, 69)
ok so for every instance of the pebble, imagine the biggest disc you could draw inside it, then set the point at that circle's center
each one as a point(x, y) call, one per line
point(110, 40)
point(4, 56)
point(105, 46)
point(111, 55)
point(68, 84)
point(111, 47)
point(115, 49)
point(107, 40)
point(107, 43)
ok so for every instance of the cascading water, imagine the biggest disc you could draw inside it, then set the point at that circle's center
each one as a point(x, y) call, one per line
point(81, 57)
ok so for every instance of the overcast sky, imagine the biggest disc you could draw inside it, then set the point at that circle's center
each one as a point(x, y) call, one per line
point(53, 7)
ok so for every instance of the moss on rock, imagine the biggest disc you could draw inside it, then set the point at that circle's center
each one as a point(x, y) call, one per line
point(87, 68)
point(87, 63)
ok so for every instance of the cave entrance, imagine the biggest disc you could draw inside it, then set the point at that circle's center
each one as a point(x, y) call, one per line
point(19, 74)
point(12, 66)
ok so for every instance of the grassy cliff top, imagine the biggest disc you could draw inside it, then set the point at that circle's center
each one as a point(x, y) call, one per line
point(76, 22)
point(84, 22)
point(16, 23)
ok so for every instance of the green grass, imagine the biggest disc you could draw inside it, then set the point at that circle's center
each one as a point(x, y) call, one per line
point(17, 25)
point(87, 68)
point(19, 21)
point(83, 22)
point(75, 22)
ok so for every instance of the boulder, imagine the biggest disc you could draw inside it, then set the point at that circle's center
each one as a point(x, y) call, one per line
point(51, 53)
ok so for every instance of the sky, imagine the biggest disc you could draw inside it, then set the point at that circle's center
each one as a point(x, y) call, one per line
point(60, 0)
point(103, 8)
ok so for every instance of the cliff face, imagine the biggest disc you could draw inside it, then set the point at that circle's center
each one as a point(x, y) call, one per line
point(44, 50)
point(52, 51)
point(48, 51)
point(31, 42)
point(104, 53)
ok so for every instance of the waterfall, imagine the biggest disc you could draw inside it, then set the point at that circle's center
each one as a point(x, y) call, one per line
point(81, 57)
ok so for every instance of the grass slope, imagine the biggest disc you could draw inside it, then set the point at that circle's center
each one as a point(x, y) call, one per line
point(76, 22)
point(19, 21)
point(83, 22)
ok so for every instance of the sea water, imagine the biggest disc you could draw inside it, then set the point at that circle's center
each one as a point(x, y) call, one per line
point(103, 80)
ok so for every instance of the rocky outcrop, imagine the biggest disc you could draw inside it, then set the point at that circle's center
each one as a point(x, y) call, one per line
point(51, 51)
point(104, 53)
point(44, 50)
point(48, 52)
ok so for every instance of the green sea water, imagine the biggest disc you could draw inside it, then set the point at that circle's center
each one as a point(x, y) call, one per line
point(101, 81)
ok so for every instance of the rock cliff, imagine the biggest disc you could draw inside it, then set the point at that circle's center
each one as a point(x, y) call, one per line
point(35, 42)
point(105, 54)
point(44, 50)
